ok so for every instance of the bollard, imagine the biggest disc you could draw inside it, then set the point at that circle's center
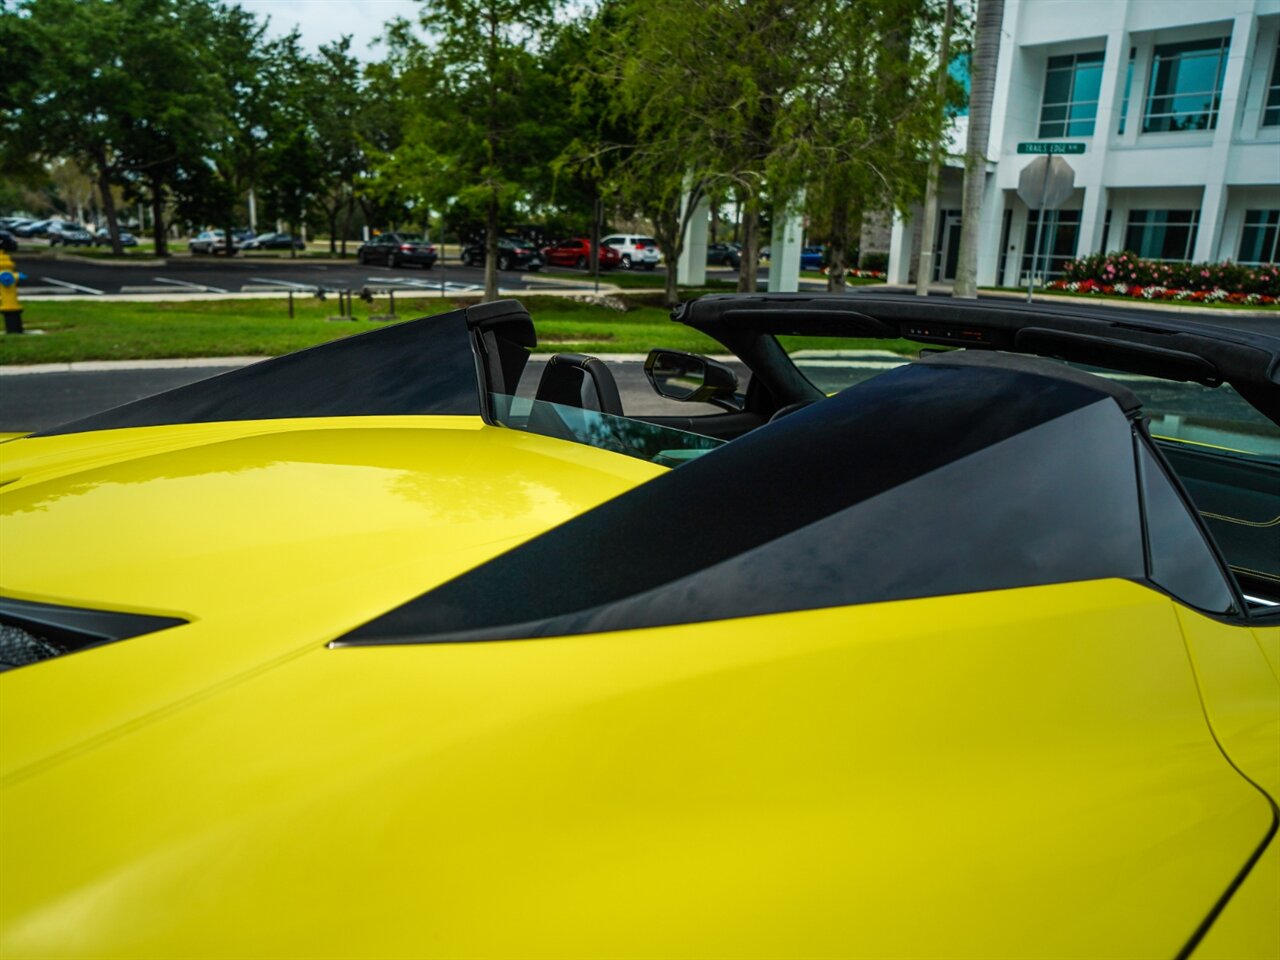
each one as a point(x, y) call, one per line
point(10, 306)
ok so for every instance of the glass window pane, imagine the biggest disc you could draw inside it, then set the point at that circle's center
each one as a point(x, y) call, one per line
point(1057, 86)
point(1080, 128)
point(1050, 114)
point(1088, 82)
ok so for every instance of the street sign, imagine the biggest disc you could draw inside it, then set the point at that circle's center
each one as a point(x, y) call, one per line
point(1049, 147)
point(1046, 182)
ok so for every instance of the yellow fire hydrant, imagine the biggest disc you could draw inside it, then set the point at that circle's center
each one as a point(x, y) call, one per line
point(9, 303)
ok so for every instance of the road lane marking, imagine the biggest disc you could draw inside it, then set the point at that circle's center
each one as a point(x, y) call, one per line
point(71, 286)
point(190, 286)
point(284, 283)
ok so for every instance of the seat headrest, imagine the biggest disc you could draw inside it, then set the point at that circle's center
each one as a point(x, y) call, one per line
point(575, 380)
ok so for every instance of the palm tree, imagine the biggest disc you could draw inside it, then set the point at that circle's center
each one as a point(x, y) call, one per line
point(924, 270)
point(986, 51)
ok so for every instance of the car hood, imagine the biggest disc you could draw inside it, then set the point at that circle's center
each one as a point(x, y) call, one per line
point(267, 537)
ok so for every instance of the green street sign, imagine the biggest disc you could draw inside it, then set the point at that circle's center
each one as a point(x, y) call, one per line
point(1049, 146)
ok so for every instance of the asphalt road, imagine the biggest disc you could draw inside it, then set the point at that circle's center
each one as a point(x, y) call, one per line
point(49, 277)
point(240, 275)
point(37, 401)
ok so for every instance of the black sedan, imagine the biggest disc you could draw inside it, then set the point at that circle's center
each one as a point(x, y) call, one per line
point(103, 238)
point(513, 253)
point(273, 241)
point(723, 254)
point(395, 249)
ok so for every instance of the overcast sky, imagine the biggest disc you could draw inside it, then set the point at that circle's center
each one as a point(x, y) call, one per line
point(323, 20)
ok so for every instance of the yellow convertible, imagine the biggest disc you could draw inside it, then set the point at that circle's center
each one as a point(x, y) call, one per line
point(382, 650)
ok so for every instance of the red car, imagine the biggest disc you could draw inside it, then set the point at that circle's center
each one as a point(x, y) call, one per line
point(577, 253)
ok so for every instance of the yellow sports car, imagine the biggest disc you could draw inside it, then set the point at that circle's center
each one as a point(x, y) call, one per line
point(391, 648)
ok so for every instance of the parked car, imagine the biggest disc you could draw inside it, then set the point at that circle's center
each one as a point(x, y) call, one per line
point(577, 253)
point(242, 235)
point(103, 238)
point(210, 241)
point(723, 254)
point(405, 646)
point(69, 234)
point(813, 258)
point(8, 242)
point(397, 249)
point(634, 251)
point(273, 241)
point(513, 253)
point(32, 228)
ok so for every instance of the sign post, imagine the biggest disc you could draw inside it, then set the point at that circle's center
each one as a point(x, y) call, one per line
point(1045, 184)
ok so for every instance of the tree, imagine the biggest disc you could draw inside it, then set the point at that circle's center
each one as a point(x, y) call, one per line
point(473, 137)
point(74, 103)
point(986, 51)
point(332, 92)
point(924, 270)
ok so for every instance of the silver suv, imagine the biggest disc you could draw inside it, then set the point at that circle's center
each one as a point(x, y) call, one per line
point(634, 251)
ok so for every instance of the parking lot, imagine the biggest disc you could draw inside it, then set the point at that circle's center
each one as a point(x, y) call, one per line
point(49, 277)
point(178, 275)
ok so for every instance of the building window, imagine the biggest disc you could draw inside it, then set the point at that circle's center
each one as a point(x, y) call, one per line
point(1162, 234)
point(1057, 242)
point(1106, 231)
point(1186, 86)
point(1258, 242)
point(1128, 85)
point(1271, 115)
point(1071, 86)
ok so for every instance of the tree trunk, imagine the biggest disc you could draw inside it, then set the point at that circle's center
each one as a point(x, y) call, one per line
point(158, 232)
point(346, 223)
point(491, 247)
point(750, 248)
point(929, 226)
point(108, 201)
point(839, 242)
point(986, 50)
point(331, 214)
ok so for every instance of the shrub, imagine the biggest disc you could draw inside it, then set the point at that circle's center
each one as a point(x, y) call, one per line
point(874, 260)
point(1129, 270)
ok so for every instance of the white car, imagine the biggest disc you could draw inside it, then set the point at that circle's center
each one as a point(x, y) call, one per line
point(209, 241)
point(635, 251)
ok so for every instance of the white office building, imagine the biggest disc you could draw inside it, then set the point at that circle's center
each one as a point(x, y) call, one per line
point(1177, 104)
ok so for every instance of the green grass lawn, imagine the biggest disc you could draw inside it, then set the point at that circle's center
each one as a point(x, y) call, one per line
point(97, 330)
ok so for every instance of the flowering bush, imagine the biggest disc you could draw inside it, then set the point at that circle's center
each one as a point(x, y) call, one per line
point(855, 272)
point(1158, 292)
point(1128, 269)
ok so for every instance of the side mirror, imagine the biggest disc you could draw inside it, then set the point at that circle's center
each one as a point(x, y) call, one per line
point(692, 378)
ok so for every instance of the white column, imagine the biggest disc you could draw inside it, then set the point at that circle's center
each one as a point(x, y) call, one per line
point(785, 244)
point(253, 213)
point(1093, 212)
point(900, 234)
point(1213, 208)
point(691, 271)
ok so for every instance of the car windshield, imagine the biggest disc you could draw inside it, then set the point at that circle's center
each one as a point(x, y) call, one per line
point(635, 438)
point(409, 237)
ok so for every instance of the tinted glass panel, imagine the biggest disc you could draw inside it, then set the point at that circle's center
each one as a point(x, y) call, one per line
point(1181, 560)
